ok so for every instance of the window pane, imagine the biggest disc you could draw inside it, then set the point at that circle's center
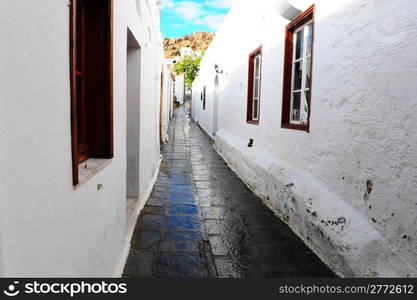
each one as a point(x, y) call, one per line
point(308, 63)
point(257, 66)
point(256, 88)
point(295, 113)
point(304, 109)
point(298, 75)
point(309, 38)
point(255, 109)
point(299, 44)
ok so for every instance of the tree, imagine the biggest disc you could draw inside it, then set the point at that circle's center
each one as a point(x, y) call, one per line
point(189, 67)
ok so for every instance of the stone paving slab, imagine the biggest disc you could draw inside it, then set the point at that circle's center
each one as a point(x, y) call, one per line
point(202, 221)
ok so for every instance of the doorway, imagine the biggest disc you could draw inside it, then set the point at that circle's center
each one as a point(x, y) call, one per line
point(133, 67)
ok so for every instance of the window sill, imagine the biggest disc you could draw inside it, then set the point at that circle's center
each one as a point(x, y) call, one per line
point(253, 122)
point(89, 168)
point(305, 128)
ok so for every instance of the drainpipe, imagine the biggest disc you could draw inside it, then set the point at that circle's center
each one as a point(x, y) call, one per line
point(286, 10)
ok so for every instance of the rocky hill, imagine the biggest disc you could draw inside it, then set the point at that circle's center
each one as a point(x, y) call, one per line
point(198, 41)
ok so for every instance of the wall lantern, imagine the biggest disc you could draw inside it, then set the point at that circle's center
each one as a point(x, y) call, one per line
point(217, 69)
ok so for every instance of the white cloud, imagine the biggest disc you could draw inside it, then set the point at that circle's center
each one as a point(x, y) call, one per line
point(188, 10)
point(219, 4)
point(213, 22)
point(198, 13)
point(177, 25)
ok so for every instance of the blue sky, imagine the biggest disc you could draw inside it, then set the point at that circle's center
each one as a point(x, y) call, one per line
point(181, 17)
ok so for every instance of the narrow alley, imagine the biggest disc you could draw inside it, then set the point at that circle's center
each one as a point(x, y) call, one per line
point(201, 221)
point(208, 139)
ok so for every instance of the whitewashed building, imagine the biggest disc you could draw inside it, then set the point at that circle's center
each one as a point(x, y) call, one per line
point(179, 91)
point(325, 95)
point(82, 115)
point(167, 102)
point(188, 51)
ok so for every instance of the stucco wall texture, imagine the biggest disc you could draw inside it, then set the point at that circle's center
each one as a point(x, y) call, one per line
point(348, 187)
point(48, 228)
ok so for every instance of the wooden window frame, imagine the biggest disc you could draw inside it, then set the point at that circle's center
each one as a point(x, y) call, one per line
point(102, 148)
point(301, 20)
point(251, 70)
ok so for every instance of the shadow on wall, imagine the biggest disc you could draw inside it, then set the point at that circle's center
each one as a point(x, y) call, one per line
point(133, 66)
point(2, 273)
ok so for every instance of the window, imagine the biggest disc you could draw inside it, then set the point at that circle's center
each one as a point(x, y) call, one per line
point(297, 72)
point(254, 86)
point(91, 81)
point(204, 98)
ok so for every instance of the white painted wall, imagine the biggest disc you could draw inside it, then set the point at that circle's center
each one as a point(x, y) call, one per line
point(48, 228)
point(180, 88)
point(362, 128)
point(167, 102)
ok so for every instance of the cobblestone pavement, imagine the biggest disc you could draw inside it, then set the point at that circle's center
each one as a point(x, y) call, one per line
point(202, 221)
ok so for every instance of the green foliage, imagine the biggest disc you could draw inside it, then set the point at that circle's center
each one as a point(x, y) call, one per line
point(189, 67)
